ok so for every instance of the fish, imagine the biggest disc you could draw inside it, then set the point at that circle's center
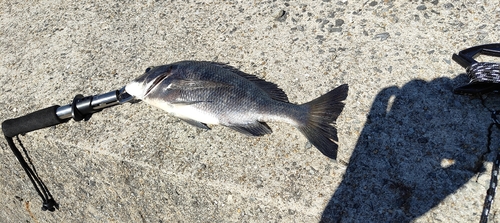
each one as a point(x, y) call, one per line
point(204, 93)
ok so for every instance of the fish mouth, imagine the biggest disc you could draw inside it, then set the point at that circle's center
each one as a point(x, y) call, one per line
point(157, 81)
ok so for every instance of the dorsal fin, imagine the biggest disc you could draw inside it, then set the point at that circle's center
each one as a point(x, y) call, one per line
point(270, 88)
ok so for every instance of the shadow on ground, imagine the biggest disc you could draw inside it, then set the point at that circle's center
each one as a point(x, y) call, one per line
point(420, 144)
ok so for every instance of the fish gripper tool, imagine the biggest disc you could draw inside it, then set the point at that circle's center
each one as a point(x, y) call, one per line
point(81, 108)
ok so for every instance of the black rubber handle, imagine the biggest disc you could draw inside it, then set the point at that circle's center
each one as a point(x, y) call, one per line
point(31, 122)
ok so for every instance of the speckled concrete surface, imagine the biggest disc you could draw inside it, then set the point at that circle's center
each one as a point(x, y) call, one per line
point(401, 129)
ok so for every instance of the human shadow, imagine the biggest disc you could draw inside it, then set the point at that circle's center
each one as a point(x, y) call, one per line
point(420, 143)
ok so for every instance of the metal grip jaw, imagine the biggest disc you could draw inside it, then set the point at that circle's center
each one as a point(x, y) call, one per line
point(82, 108)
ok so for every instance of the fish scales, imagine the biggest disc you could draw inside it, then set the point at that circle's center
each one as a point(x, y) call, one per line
point(202, 93)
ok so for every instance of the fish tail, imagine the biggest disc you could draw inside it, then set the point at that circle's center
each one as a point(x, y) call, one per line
point(319, 124)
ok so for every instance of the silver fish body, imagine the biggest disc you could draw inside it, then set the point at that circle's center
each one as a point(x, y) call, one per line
point(202, 93)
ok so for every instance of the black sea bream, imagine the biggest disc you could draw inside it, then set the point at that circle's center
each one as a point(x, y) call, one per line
point(202, 93)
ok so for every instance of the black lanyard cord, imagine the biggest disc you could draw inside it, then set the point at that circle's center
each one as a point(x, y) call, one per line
point(33, 121)
point(48, 201)
point(490, 193)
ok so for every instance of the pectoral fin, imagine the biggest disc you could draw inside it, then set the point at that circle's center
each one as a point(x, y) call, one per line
point(189, 84)
point(186, 102)
point(253, 129)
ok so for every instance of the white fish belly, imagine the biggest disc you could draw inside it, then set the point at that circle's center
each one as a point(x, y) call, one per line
point(185, 111)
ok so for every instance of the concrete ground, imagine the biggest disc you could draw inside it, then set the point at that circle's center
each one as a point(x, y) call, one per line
point(409, 147)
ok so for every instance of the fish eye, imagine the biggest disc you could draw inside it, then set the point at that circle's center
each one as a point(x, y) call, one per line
point(148, 69)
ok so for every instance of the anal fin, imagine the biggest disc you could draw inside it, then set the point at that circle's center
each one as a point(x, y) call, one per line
point(253, 129)
point(196, 123)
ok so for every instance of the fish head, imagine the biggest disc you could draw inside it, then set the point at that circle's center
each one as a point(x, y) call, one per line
point(152, 77)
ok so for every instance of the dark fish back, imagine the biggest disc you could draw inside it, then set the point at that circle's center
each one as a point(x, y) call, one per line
point(223, 73)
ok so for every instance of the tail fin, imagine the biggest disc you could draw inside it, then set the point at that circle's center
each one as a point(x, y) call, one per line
point(320, 126)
